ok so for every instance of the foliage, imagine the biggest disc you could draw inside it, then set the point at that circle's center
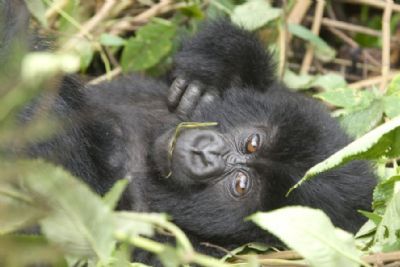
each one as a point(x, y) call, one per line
point(80, 227)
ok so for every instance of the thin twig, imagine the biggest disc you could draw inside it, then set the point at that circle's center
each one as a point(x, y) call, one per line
point(347, 26)
point(387, 14)
point(374, 3)
point(283, 36)
point(319, 12)
point(372, 81)
point(108, 76)
point(92, 23)
point(125, 25)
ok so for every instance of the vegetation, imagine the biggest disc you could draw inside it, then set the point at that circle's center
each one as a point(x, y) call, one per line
point(321, 48)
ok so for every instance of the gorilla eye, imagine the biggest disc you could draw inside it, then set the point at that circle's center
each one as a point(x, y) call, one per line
point(241, 184)
point(253, 143)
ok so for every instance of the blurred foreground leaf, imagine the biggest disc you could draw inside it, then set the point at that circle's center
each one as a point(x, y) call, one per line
point(77, 219)
point(311, 233)
point(382, 141)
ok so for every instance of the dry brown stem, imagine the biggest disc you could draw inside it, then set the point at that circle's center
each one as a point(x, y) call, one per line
point(375, 3)
point(127, 24)
point(373, 81)
point(347, 26)
point(316, 26)
point(387, 14)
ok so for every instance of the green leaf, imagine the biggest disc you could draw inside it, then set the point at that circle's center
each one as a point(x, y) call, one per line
point(77, 219)
point(346, 97)
point(112, 197)
point(217, 9)
point(38, 10)
point(130, 224)
point(192, 11)
point(297, 81)
point(254, 14)
point(382, 141)
point(322, 50)
point(329, 81)
point(391, 105)
point(311, 233)
point(111, 40)
point(388, 230)
point(151, 43)
point(394, 86)
point(361, 121)
point(85, 51)
point(248, 248)
point(383, 193)
point(17, 209)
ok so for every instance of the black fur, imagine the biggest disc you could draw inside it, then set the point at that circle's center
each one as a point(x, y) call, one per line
point(122, 129)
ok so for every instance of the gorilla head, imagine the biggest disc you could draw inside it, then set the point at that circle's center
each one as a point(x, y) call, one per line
point(264, 141)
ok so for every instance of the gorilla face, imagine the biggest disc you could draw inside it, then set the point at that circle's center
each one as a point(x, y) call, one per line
point(222, 173)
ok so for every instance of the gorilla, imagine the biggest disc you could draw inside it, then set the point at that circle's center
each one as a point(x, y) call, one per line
point(260, 140)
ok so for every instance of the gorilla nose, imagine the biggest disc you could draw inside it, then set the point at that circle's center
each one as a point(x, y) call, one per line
point(204, 149)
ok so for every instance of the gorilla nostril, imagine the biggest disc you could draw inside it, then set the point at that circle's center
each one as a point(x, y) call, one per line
point(200, 154)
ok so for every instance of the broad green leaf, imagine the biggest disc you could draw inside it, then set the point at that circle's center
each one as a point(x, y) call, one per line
point(254, 14)
point(77, 219)
point(383, 193)
point(311, 233)
point(113, 196)
point(130, 224)
point(111, 40)
point(382, 141)
point(193, 11)
point(391, 105)
point(361, 121)
point(388, 230)
point(297, 81)
point(346, 97)
point(151, 43)
point(38, 10)
point(329, 81)
point(394, 86)
point(17, 209)
point(322, 50)
point(84, 49)
point(217, 9)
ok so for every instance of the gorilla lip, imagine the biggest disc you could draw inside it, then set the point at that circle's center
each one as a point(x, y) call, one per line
point(179, 128)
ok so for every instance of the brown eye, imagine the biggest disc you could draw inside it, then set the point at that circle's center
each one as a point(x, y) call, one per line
point(253, 143)
point(241, 184)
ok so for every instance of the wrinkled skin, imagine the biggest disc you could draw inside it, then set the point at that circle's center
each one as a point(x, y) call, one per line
point(265, 140)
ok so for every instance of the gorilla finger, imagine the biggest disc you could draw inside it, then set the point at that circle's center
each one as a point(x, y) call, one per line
point(190, 98)
point(175, 93)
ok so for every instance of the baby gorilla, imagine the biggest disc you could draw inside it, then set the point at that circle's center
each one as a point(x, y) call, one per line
point(265, 139)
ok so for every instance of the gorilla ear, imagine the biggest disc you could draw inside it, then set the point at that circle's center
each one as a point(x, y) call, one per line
point(222, 55)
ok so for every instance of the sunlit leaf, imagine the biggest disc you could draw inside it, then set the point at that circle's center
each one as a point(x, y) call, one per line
point(382, 141)
point(311, 233)
point(254, 14)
